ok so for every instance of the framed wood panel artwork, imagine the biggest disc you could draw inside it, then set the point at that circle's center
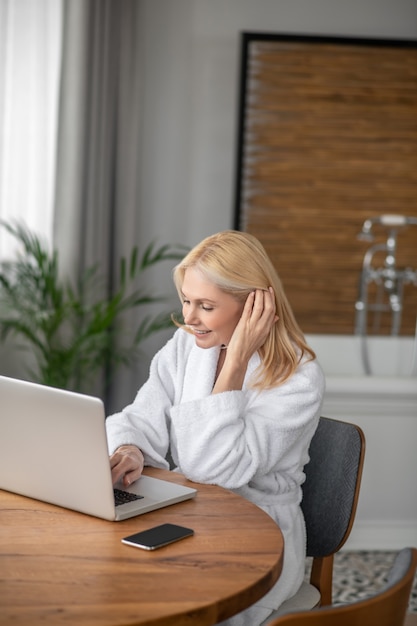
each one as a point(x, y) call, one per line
point(327, 138)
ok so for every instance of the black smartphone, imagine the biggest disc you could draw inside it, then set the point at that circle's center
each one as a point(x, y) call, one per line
point(157, 536)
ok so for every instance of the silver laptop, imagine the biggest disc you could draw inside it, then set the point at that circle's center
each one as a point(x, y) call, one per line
point(53, 447)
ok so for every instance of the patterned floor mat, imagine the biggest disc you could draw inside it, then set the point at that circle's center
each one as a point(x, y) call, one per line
point(356, 575)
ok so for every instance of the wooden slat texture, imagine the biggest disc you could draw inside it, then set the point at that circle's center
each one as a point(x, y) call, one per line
point(330, 140)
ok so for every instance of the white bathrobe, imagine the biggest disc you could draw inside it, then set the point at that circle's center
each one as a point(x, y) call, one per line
point(254, 443)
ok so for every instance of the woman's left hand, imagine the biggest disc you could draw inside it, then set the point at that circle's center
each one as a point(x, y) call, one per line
point(255, 324)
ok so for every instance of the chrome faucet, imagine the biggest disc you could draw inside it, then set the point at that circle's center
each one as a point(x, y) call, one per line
point(388, 278)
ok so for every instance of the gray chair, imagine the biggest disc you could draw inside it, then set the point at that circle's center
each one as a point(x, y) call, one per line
point(387, 607)
point(330, 497)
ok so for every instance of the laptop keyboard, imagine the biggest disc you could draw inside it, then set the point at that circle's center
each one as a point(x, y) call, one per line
point(122, 497)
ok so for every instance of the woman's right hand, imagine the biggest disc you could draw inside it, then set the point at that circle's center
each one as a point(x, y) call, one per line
point(126, 464)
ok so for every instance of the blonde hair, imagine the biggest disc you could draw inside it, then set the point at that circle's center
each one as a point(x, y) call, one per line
point(237, 263)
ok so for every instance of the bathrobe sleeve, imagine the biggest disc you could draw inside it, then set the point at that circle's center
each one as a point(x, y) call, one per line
point(232, 438)
point(240, 438)
point(146, 422)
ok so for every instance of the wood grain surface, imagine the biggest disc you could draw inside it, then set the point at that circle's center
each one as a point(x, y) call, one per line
point(62, 567)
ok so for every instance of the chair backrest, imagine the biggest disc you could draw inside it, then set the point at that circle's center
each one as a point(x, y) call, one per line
point(330, 496)
point(388, 607)
point(331, 488)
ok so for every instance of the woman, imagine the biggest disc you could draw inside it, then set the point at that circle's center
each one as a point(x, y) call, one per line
point(236, 398)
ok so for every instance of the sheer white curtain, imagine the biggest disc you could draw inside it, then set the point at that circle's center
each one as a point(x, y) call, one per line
point(70, 135)
point(30, 56)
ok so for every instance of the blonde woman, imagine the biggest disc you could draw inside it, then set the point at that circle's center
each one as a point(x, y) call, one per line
point(235, 395)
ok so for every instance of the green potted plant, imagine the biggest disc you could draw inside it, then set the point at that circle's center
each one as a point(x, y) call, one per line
point(71, 330)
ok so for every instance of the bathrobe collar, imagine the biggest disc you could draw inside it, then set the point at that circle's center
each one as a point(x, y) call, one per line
point(201, 371)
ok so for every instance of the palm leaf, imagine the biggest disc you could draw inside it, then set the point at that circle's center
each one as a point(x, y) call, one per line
point(73, 330)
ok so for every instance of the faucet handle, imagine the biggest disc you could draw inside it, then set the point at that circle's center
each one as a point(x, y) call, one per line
point(393, 221)
point(387, 220)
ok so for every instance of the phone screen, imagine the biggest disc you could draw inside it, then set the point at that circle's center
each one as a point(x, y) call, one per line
point(158, 536)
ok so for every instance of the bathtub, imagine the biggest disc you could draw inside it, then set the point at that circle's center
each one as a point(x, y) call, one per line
point(384, 405)
point(393, 383)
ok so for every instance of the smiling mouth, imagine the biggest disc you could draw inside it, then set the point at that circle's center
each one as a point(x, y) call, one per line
point(200, 332)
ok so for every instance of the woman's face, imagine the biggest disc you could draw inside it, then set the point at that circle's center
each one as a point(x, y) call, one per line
point(210, 313)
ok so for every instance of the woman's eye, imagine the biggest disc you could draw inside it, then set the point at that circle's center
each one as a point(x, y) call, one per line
point(202, 306)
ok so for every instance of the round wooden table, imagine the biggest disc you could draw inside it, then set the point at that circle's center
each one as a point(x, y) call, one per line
point(62, 567)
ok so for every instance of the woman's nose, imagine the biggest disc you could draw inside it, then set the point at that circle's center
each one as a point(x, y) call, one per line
point(190, 315)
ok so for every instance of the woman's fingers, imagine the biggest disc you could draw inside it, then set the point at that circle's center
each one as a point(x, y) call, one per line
point(261, 303)
point(126, 464)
